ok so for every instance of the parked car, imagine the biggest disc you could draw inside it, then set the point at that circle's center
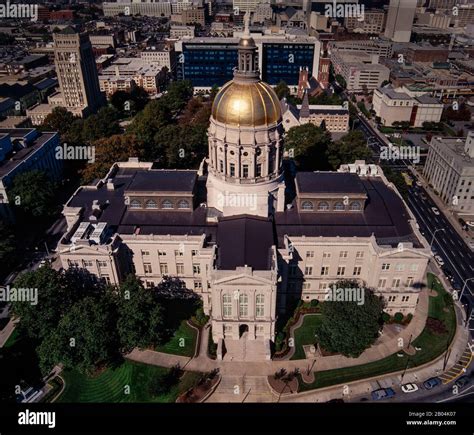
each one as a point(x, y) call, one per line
point(423, 197)
point(435, 211)
point(439, 260)
point(463, 381)
point(431, 383)
point(409, 388)
point(383, 393)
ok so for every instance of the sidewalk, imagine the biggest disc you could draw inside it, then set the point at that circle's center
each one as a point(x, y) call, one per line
point(203, 363)
point(7, 331)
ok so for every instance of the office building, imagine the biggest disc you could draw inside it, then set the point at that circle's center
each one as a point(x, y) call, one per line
point(401, 14)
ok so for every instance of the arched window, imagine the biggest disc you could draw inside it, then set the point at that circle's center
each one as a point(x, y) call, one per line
point(338, 206)
point(166, 204)
point(323, 206)
point(355, 206)
point(307, 205)
point(134, 203)
point(259, 305)
point(227, 305)
point(183, 204)
point(243, 305)
point(151, 204)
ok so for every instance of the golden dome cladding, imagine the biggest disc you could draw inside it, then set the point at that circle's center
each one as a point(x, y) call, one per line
point(246, 104)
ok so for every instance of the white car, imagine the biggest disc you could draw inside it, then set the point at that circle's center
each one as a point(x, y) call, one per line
point(409, 388)
point(435, 211)
point(439, 260)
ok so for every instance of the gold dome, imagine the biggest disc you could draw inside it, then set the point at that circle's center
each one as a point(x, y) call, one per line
point(246, 104)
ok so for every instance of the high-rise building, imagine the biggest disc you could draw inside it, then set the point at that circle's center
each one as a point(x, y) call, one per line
point(77, 71)
point(401, 14)
point(246, 5)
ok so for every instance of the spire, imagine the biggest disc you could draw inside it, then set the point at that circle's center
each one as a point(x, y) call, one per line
point(247, 25)
point(247, 66)
point(304, 111)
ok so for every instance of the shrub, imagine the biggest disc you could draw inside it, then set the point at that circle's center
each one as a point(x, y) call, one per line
point(436, 326)
point(398, 317)
point(279, 340)
point(408, 318)
point(314, 303)
point(385, 317)
point(448, 299)
point(200, 319)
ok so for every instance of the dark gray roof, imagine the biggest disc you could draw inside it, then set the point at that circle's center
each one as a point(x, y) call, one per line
point(164, 180)
point(384, 215)
point(328, 182)
point(244, 240)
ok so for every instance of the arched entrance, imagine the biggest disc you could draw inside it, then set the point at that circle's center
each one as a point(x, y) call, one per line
point(243, 329)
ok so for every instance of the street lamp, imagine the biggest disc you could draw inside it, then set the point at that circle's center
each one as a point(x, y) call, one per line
point(434, 235)
point(464, 286)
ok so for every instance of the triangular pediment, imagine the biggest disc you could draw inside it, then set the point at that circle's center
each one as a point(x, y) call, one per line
point(407, 253)
point(242, 280)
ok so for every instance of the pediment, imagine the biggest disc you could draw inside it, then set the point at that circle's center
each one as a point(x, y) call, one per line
point(242, 280)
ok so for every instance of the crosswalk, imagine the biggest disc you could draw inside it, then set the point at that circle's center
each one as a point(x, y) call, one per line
point(459, 368)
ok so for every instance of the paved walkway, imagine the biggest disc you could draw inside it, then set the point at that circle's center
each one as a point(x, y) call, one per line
point(203, 363)
point(7, 331)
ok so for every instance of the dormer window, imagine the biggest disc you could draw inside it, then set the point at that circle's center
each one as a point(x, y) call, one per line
point(307, 205)
point(183, 204)
point(150, 204)
point(135, 204)
point(323, 206)
point(167, 204)
point(355, 206)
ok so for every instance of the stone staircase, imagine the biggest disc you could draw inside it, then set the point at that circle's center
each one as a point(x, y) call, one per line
point(242, 389)
point(244, 350)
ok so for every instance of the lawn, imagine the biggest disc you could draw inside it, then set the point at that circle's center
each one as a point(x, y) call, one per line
point(110, 385)
point(304, 335)
point(431, 347)
point(183, 341)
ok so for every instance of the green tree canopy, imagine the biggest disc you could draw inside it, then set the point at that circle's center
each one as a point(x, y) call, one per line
point(348, 149)
point(33, 193)
point(282, 90)
point(140, 315)
point(347, 327)
point(7, 247)
point(60, 119)
point(307, 145)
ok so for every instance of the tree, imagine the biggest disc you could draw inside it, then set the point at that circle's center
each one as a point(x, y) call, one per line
point(85, 338)
point(33, 194)
point(348, 327)
point(129, 103)
point(60, 119)
point(117, 148)
point(341, 81)
point(282, 90)
point(37, 320)
point(140, 315)
point(178, 93)
point(348, 149)
point(148, 122)
point(101, 125)
point(7, 248)
point(307, 145)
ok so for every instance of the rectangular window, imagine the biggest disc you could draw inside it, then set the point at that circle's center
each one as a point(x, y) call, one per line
point(392, 298)
point(87, 263)
point(326, 255)
point(102, 263)
point(385, 266)
point(341, 270)
point(197, 285)
point(145, 253)
point(357, 270)
point(164, 269)
point(162, 253)
point(245, 171)
point(196, 268)
point(405, 298)
point(400, 267)
point(227, 305)
point(309, 254)
point(396, 283)
point(360, 254)
point(308, 270)
point(306, 285)
point(221, 166)
point(325, 270)
point(414, 267)
point(343, 254)
point(147, 268)
point(178, 253)
point(410, 281)
point(382, 283)
point(259, 170)
point(232, 169)
point(106, 278)
point(323, 285)
point(227, 329)
point(180, 268)
point(194, 252)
